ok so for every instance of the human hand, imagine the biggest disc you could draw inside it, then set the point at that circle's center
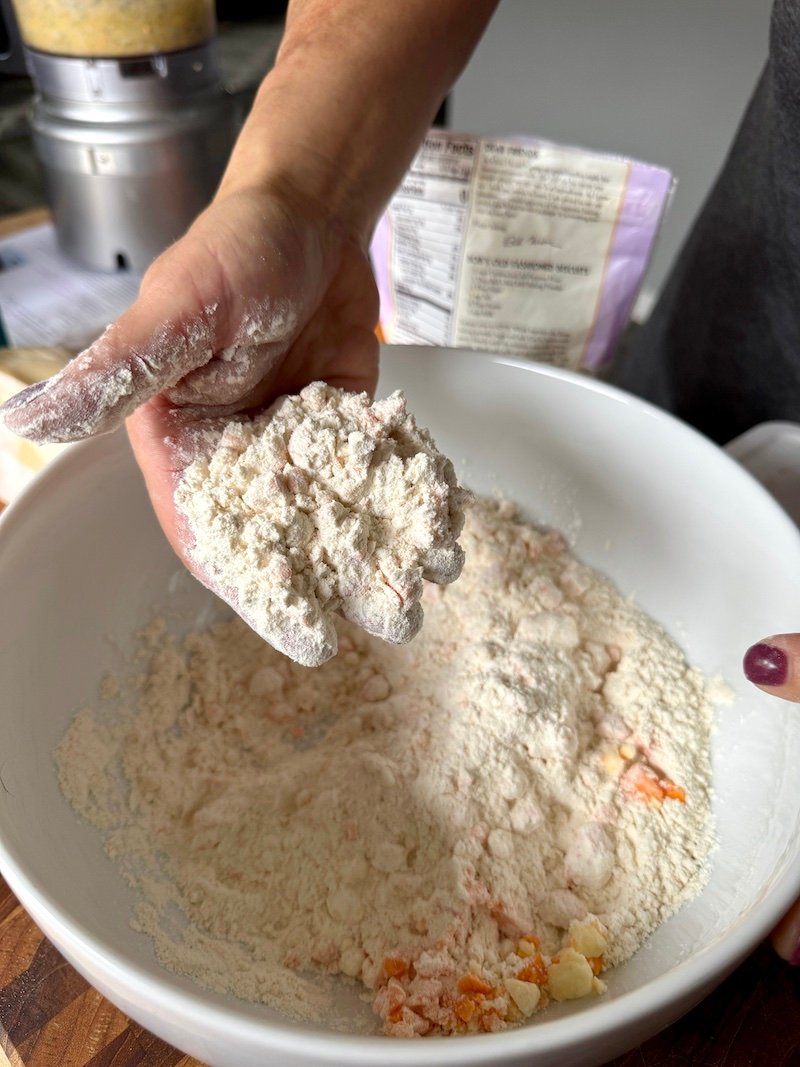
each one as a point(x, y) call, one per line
point(271, 287)
point(774, 666)
point(258, 299)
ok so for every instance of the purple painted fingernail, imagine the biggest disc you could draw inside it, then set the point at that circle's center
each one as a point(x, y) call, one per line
point(766, 665)
point(794, 959)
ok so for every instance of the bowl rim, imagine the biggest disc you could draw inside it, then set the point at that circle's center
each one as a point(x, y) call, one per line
point(679, 988)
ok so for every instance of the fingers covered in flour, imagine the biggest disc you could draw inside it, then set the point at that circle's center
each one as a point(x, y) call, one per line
point(102, 386)
point(165, 441)
point(325, 504)
point(307, 637)
point(169, 341)
point(260, 341)
point(234, 558)
point(384, 600)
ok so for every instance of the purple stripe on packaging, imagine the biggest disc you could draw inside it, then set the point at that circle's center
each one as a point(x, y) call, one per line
point(646, 196)
point(380, 251)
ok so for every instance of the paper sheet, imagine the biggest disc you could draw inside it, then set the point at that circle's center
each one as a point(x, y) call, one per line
point(47, 299)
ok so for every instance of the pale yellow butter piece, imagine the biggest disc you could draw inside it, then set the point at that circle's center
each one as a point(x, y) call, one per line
point(588, 937)
point(570, 977)
point(526, 995)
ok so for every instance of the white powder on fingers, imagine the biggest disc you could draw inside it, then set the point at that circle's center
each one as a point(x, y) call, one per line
point(467, 826)
point(103, 385)
point(106, 383)
point(264, 333)
point(326, 504)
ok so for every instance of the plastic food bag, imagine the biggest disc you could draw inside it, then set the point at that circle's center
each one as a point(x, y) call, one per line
point(517, 246)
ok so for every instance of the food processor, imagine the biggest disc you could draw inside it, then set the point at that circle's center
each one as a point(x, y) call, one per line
point(130, 121)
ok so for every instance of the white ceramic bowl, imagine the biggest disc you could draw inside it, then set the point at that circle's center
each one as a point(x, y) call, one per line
point(669, 516)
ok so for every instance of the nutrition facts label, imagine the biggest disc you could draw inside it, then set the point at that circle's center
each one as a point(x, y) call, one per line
point(429, 215)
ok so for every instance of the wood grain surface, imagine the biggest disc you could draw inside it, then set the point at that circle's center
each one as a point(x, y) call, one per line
point(51, 1017)
point(21, 220)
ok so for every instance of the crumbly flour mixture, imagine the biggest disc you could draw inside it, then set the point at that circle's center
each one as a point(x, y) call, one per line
point(465, 827)
point(326, 504)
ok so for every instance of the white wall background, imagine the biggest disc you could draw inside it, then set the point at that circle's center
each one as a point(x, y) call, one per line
point(665, 81)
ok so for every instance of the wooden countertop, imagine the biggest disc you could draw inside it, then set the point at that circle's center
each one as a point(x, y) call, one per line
point(51, 1017)
point(22, 220)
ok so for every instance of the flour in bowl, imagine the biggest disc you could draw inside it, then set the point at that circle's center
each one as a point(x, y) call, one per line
point(326, 504)
point(464, 828)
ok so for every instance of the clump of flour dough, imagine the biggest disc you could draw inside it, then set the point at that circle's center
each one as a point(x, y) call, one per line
point(467, 827)
point(326, 504)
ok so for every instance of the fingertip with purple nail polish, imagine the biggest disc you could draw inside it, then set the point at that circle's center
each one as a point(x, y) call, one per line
point(766, 664)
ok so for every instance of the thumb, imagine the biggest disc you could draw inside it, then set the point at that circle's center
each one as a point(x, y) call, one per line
point(131, 362)
point(786, 935)
point(773, 664)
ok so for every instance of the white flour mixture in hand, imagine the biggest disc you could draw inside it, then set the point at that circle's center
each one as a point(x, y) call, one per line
point(465, 827)
point(326, 504)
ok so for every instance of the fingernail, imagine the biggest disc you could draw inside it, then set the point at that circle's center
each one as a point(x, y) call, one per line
point(794, 959)
point(20, 399)
point(766, 665)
